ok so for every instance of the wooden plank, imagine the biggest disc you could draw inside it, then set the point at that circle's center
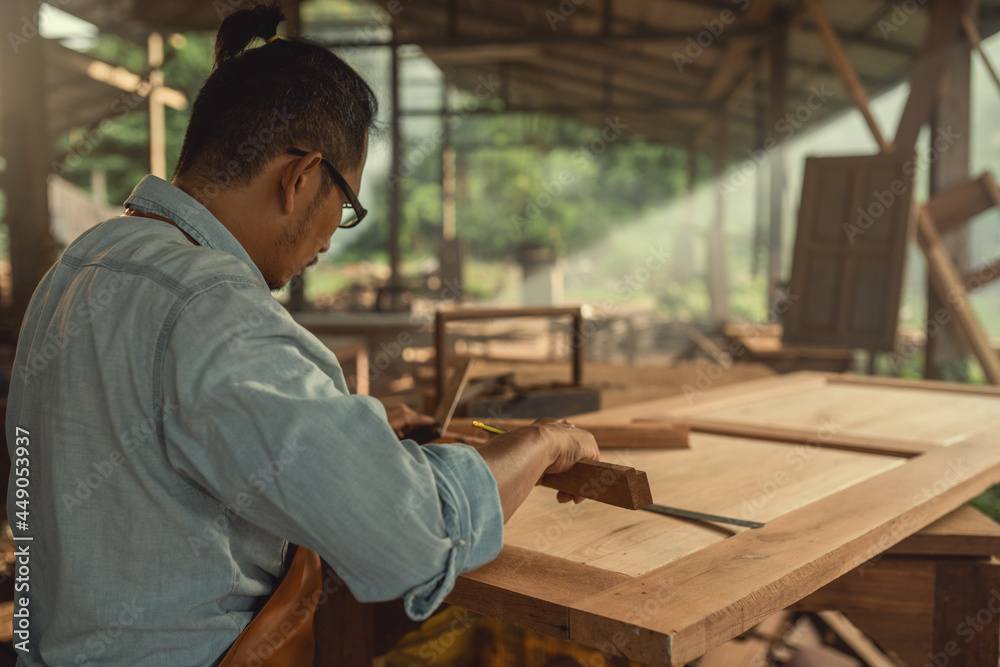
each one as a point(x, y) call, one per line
point(972, 33)
point(703, 397)
point(966, 532)
point(908, 642)
point(706, 345)
point(7, 621)
point(859, 643)
point(723, 590)
point(913, 385)
point(498, 313)
point(605, 482)
point(812, 438)
point(531, 589)
point(746, 479)
point(609, 435)
point(773, 629)
point(948, 284)
point(981, 276)
point(738, 51)
point(880, 417)
point(950, 118)
point(845, 70)
point(955, 206)
point(749, 652)
point(925, 77)
point(452, 393)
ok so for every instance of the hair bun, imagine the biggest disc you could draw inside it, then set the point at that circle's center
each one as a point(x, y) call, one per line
point(240, 28)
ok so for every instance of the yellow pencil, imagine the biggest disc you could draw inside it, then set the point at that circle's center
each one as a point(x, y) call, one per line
point(487, 427)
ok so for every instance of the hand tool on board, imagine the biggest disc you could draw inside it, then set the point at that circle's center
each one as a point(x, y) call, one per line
point(617, 485)
point(701, 516)
point(446, 406)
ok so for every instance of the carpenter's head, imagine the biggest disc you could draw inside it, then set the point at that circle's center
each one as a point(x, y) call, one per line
point(265, 96)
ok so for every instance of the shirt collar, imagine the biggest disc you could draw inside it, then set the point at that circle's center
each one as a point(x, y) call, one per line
point(155, 195)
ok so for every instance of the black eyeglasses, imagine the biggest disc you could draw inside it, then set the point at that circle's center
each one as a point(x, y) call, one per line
point(354, 212)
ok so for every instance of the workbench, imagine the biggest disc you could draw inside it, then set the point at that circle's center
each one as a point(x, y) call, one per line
point(840, 468)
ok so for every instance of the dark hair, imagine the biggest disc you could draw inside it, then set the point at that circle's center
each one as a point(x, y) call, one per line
point(259, 101)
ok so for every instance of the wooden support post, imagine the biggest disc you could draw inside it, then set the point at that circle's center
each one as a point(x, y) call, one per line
point(450, 258)
point(948, 287)
point(718, 284)
point(447, 172)
point(950, 144)
point(683, 246)
point(577, 344)
point(157, 120)
point(396, 181)
point(762, 215)
point(293, 17)
point(944, 28)
point(27, 148)
point(966, 594)
point(293, 28)
point(842, 65)
point(924, 609)
point(441, 351)
point(972, 34)
point(778, 103)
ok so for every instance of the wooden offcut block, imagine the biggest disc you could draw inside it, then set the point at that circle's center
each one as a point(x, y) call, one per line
point(604, 482)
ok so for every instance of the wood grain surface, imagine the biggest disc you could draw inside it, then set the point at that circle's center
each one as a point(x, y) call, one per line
point(662, 590)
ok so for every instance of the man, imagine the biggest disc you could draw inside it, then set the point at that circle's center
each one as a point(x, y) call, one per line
point(178, 428)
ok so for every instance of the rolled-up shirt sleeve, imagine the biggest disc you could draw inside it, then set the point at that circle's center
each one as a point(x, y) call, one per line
point(256, 414)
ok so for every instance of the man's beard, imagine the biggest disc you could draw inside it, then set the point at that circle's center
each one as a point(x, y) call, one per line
point(291, 236)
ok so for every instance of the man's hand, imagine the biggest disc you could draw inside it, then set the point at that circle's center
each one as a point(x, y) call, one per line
point(520, 457)
point(571, 444)
point(403, 420)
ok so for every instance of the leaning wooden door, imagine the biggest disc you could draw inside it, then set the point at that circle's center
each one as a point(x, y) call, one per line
point(850, 252)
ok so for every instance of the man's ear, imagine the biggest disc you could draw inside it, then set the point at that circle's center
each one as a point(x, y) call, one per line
point(297, 177)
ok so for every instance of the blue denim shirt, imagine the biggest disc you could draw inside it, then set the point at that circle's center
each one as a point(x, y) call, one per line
point(183, 429)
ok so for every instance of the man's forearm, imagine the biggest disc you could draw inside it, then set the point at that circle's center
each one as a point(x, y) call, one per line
point(517, 461)
point(520, 457)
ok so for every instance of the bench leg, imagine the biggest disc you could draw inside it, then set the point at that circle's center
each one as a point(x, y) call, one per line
point(937, 612)
point(966, 613)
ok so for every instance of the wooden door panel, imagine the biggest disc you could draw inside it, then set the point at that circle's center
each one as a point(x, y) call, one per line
point(923, 416)
point(850, 252)
point(662, 591)
point(747, 479)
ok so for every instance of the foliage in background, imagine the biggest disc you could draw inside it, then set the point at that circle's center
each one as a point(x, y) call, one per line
point(564, 186)
point(121, 148)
